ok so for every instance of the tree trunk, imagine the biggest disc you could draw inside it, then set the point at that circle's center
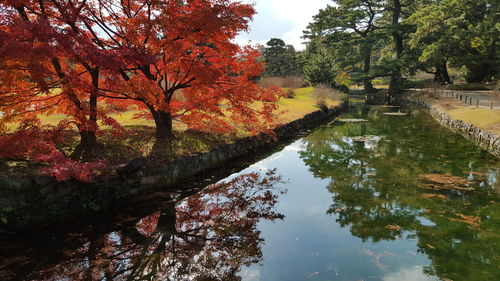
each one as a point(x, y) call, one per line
point(366, 69)
point(86, 150)
point(163, 122)
point(442, 73)
point(394, 86)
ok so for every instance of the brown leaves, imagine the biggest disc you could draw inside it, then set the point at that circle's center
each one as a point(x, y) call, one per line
point(479, 174)
point(434, 195)
point(473, 221)
point(393, 227)
point(445, 181)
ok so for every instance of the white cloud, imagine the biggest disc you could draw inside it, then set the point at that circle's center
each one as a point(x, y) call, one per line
point(250, 274)
point(415, 273)
point(285, 19)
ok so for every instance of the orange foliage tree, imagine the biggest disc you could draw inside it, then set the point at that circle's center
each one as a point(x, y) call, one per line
point(179, 62)
point(174, 60)
point(51, 66)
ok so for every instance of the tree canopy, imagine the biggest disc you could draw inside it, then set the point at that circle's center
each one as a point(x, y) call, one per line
point(168, 60)
point(394, 38)
point(280, 59)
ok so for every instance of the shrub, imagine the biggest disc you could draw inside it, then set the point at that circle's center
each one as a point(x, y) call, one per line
point(267, 82)
point(381, 81)
point(322, 104)
point(290, 93)
point(294, 82)
point(322, 92)
point(343, 79)
point(414, 83)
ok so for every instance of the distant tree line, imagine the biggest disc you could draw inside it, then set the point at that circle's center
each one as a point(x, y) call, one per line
point(281, 59)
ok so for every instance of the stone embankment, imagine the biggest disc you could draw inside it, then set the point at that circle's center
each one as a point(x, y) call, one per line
point(33, 200)
point(481, 137)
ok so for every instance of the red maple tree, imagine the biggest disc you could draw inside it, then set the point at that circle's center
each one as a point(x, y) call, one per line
point(173, 60)
point(51, 66)
point(181, 63)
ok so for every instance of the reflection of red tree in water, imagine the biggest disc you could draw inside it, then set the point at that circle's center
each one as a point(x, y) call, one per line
point(208, 236)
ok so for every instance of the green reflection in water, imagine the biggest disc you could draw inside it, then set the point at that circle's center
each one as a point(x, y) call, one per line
point(402, 183)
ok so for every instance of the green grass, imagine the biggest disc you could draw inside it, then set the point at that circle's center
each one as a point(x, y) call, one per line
point(140, 139)
point(303, 103)
point(289, 109)
point(487, 119)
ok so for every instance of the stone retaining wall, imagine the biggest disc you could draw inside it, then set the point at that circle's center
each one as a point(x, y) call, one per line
point(28, 201)
point(480, 137)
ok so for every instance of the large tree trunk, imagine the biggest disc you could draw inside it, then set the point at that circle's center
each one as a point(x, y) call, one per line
point(441, 75)
point(444, 73)
point(163, 122)
point(366, 70)
point(87, 149)
point(394, 86)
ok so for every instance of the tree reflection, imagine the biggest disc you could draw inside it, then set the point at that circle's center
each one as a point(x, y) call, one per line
point(207, 236)
point(380, 197)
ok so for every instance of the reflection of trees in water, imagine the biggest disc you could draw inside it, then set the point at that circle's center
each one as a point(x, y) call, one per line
point(208, 236)
point(377, 193)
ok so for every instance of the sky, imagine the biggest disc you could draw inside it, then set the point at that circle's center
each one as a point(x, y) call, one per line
point(285, 19)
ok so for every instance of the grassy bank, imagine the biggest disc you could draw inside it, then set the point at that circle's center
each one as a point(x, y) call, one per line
point(483, 118)
point(139, 139)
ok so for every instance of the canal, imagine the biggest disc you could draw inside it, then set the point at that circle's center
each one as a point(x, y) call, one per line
point(371, 196)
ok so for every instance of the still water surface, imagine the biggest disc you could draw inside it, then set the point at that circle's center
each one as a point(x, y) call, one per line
point(410, 201)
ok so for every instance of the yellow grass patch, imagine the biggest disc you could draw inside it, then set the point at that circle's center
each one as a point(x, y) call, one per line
point(484, 118)
point(289, 109)
point(299, 106)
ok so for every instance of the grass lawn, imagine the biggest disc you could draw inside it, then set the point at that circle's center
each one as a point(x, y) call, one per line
point(484, 118)
point(303, 103)
point(481, 117)
point(289, 109)
point(140, 138)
